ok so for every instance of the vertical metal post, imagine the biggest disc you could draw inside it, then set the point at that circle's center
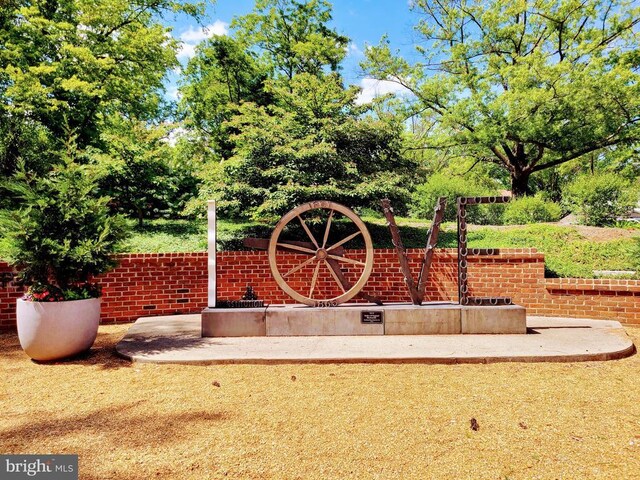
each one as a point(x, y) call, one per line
point(212, 249)
point(463, 289)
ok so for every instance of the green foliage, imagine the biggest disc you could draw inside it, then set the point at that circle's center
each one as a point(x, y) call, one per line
point(39, 292)
point(69, 64)
point(217, 79)
point(316, 145)
point(62, 233)
point(531, 209)
point(599, 199)
point(141, 172)
point(275, 125)
point(293, 37)
point(525, 85)
point(439, 185)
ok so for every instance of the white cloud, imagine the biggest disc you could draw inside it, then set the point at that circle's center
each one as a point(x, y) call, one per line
point(175, 135)
point(191, 37)
point(173, 93)
point(196, 35)
point(372, 88)
point(352, 49)
point(187, 51)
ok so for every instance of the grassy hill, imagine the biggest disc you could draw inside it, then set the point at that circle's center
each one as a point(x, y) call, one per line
point(571, 251)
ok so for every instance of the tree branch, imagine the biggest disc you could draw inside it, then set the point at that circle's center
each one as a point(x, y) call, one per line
point(577, 153)
point(502, 157)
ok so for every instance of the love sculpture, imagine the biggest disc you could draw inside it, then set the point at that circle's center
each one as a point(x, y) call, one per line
point(325, 252)
point(321, 255)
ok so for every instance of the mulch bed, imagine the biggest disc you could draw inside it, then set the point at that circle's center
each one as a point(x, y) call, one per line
point(141, 421)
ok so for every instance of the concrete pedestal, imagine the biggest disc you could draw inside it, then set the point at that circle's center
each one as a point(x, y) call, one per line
point(502, 319)
point(234, 322)
point(363, 319)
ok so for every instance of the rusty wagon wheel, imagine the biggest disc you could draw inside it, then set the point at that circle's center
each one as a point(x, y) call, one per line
point(322, 254)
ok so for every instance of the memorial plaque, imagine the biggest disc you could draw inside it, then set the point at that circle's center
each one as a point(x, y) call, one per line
point(372, 316)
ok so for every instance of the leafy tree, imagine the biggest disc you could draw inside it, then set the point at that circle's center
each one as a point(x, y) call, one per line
point(275, 123)
point(313, 143)
point(139, 172)
point(62, 233)
point(65, 65)
point(293, 36)
point(275, 42)
point(525, 85)
point(217, 79)
point(599, 199)
point(621, 160)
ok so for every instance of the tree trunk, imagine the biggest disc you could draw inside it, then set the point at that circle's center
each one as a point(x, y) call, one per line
point(520, 183)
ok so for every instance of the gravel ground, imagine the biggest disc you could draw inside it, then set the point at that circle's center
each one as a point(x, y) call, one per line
point(146, 421)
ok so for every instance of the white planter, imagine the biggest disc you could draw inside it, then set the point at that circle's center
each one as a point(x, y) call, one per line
point(55, 330)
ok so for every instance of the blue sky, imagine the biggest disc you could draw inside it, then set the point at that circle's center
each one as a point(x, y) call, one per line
point(363, 21)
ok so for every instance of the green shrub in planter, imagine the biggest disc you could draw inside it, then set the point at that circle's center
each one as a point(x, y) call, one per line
point(441, 185)
point(599, 199)
point(61, 235)
point(532, 209)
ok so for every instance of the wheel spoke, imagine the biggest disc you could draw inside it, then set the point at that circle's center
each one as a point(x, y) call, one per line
point(296, 247)
point(326, 231)
point(346, 260)
point(306, 229)
point(344, 240)
point(314, 279)
point(335, 276)
point(302, 265)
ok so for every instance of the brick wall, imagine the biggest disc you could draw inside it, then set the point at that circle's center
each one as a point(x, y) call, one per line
point(165, 284)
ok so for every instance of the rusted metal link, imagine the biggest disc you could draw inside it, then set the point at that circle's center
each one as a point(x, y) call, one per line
point(482, 200)
point(484, 251)
point(463, 290)
point(486, 301)
point(464, 251)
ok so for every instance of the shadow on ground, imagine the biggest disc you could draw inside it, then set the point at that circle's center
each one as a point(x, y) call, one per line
point(103, 353)
point(111, 422)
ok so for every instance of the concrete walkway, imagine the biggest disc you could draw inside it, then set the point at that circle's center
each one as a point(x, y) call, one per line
point(176, 339)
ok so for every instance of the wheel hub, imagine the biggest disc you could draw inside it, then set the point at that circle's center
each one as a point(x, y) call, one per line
point(321, 254)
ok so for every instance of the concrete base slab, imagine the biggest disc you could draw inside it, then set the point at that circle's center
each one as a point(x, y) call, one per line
point(176, 339)
point(299, 320)
point(430, 319)
point(489, 320)
point(234, 322)
point(433, 318)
